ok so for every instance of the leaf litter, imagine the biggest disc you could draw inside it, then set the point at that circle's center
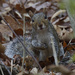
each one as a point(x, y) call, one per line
point(12, 11)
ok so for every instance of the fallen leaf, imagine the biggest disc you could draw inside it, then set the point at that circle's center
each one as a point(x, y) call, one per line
point(17, 60)
point(12, 22)
point(19, 32)
point(6, 32)
point(61, 23)
point(20, 8)
point(64, 44)
point(2, 48)
point(34, 71)
point(28, 62)
point(1, 2)
point(62, 69)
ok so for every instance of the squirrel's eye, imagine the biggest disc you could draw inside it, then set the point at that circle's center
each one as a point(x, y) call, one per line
point(61, 28)
point(45, 17)
point(32, 20)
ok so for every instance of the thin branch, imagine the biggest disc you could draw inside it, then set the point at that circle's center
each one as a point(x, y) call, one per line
point(24, 41)
point(11, 66)
point(54, 52)
point(15, 18)
point(68, 44)
point(21, 42)
point(6, 67)
point(25, 2)
point(1, 70)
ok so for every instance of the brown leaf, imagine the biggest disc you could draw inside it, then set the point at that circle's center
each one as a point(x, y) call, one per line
point(70, 47)
point(7, 62)
point(2, 48)
point(1, 2)
point(6, 32)
point(12, 22)
point(29, 62)
point(51, 7)
point(43, 5)
point(4, 57)
point(17, 59)
point(47, 62)
point(30, 8)
point(61, 23)
point(20, 8)
point(64, 44)
point(19, 32)
point(50, 12)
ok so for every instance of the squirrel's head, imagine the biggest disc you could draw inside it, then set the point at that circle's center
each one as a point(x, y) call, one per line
point(39, 21)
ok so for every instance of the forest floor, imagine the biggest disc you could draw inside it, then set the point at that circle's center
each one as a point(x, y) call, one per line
point(13, 12)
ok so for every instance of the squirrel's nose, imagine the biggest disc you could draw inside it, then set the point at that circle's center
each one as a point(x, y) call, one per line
point(40, 25)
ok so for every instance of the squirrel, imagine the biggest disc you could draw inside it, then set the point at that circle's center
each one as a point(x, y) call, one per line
point(40, 42)
point(42, 32)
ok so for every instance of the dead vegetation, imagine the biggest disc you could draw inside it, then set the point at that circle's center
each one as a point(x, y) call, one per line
point(13, 11)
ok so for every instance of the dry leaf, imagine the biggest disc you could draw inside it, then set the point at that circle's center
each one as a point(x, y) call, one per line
point(2, 48)
point(64, 44)
point(1, 2)
point(34, 71)
point(62, 69)
point(7, 62)
point(70, 47)
point(5, 58)
point(29, 62)
point(61, 23)
point(19, 32)
point(6, 32)
point(20, 8)
point(12, 22)
point(17, 59)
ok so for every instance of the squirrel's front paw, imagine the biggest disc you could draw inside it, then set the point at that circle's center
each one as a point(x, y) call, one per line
point(38, 44)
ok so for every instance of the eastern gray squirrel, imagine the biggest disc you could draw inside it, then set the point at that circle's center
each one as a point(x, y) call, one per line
point(40, 41)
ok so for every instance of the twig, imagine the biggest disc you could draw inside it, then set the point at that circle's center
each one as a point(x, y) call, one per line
point(21, 42)
point(24, 41)
point(70, 41)
point(6, 67)
point(1, 70)
point(54, 52)
point(11, 66)
point(25, 2)
point(68, 44)
point(15, 18)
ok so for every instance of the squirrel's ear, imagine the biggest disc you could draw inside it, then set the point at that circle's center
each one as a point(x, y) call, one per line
point(31, 14)
point(45, 11)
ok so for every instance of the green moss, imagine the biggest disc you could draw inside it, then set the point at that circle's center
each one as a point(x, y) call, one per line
point(68, 4)
point(73, 58)
point(62, 5)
